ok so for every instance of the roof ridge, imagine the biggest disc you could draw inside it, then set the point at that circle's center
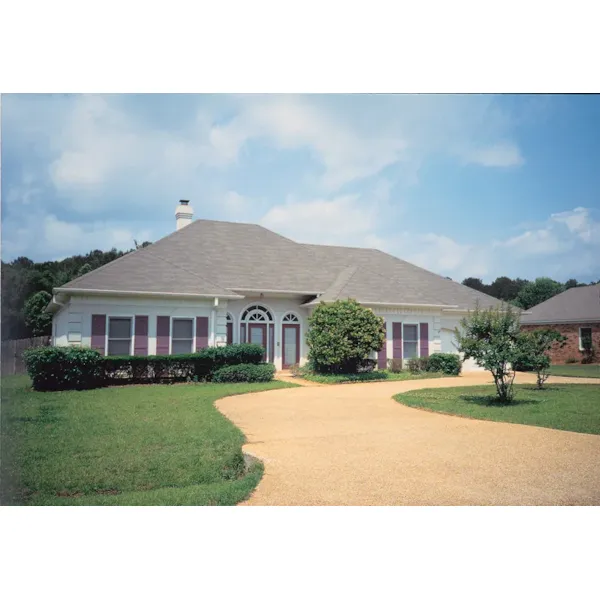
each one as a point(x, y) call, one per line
point(341, 281)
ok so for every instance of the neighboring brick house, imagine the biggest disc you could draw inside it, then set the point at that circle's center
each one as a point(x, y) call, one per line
point(576, 314)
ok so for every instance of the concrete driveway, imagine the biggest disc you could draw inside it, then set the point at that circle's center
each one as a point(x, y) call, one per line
point(354, 445)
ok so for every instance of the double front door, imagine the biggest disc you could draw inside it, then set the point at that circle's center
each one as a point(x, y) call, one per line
point(290, 341)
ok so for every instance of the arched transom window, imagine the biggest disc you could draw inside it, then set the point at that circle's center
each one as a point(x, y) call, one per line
point(229, 318)
point(258, 327)
point(257, 314)
point(290, 318)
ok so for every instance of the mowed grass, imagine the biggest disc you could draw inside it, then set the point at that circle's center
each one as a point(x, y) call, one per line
point(370, 376)
point(575, 370)
point(134, 445)
point(572, 407)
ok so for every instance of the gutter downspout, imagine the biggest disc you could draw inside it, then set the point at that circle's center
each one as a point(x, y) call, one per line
point(213, 323)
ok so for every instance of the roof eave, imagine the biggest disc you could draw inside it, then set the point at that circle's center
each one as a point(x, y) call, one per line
point(76, 291)
point(560, 321)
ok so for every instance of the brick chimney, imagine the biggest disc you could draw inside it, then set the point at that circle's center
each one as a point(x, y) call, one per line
point(183, 214)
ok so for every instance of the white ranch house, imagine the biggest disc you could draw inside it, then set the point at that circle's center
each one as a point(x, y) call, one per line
point(212, 283)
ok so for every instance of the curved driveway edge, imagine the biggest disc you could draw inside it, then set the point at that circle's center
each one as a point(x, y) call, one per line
point(353, 444)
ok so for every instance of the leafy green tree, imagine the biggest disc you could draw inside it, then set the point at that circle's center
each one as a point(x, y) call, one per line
point(540, 290)
point(22, 278)
point(38, 321)
point(475, 283)
point(491, 337)
point(342, 335)
point(505, 288)
point(86, 268)
point(534, 347)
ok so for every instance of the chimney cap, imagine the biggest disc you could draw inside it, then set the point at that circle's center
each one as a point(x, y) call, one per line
point(184, 202)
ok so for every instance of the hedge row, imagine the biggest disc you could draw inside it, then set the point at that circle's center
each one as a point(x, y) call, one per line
point(245, 373)
point(65, 368)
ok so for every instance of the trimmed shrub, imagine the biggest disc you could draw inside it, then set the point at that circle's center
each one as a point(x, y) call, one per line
point(445, 362)
point(571, 360)
point(342, 335)
point(245, 373)
point(366, 365)
point(417, 365)
point(64, 368)
point(395, 365)
point(122, 370)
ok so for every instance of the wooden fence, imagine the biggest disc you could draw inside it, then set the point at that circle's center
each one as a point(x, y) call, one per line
point(12, 353)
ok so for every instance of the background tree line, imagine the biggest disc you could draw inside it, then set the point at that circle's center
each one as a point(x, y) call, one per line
point(27, 288)
point(521, 292)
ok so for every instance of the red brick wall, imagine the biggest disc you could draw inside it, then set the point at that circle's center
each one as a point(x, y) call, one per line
point(571, 348)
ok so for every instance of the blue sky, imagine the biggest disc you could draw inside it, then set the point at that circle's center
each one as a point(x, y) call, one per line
point(472, 185)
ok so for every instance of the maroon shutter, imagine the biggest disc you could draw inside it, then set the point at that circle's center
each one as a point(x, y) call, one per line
point(242, 333)
point(424, 339)
point(397, 339)
point(163, 332)
point(99, 333)
point(140, 345)
point(271, 342)
point(201, 333)
point(382, 354)
point(229, 333)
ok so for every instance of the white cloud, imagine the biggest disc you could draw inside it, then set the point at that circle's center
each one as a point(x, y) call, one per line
point(505, 154)
point(580, 221)
point(540, 241)
point(101, 159)
point(437, 253)
point(41, 237)
point(342, 220)
point(293, 122)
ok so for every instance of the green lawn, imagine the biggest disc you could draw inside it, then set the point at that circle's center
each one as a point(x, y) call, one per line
point(575, 370)
point(135, 445)
point(370, 376)
point(573, 407)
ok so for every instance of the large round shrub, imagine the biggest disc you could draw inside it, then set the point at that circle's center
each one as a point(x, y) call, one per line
point(54, 368)
point(342, 335)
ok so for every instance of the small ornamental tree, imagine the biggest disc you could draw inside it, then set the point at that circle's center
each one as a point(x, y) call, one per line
point(491, 337)
point(342, 335)
point(38, 321)
point(533, 351)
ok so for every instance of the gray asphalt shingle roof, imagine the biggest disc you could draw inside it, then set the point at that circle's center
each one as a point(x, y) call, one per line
point(579, 304)
point(218, 258)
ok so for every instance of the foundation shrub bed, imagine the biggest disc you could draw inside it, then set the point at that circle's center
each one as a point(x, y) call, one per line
point(68, 368)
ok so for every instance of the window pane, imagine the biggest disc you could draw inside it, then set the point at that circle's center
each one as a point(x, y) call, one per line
point(183, 328)
point(118, 347)
point(586, 336)
point(119, 327)
point(256, 335)
point(410, 333)
point(181, 347)
point(289, 341)
point(410, 349)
